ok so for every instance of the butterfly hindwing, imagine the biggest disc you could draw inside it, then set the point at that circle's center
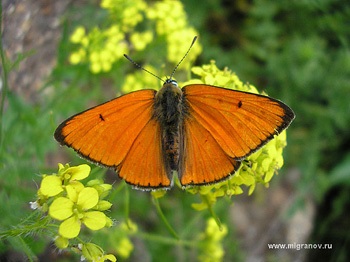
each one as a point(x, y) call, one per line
point(144, 165)
point(205, 161)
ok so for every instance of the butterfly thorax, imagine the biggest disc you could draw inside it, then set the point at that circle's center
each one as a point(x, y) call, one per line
point(168, 108)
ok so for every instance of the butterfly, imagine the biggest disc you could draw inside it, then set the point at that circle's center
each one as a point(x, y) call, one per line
point(201, 132)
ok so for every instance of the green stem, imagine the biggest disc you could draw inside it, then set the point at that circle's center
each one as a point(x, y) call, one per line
point(160, 212)
point(23, 229)
point(211, 211)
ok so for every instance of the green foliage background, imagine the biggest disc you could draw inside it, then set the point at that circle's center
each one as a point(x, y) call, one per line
point(298, 51)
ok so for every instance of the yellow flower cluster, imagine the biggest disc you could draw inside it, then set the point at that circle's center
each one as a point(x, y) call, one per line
point(210, 245)
point(103, 47)
point(128, 13)
point(258, 167)
point(171, 22)
point(68, 200)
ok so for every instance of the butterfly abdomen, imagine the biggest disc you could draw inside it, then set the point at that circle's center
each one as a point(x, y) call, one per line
point(168, 111)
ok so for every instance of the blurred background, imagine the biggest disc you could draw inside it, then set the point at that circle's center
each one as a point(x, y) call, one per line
point(296, 51)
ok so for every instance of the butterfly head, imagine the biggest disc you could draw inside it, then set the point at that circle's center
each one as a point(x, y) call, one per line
point(171, 82)
point(170, 86)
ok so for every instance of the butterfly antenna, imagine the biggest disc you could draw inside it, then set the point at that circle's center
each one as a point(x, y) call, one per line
point(140, 67)
point(171, 76)
point(182, 59)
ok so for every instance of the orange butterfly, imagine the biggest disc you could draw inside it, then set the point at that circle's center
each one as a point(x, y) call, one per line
point(202, 132)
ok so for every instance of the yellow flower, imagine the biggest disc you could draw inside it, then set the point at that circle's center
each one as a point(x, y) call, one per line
point(74, 173)
point(74, 210)
point(125, 247)
point(141, 40)
point(54, 184)
point(51, 186)
point(77, 35)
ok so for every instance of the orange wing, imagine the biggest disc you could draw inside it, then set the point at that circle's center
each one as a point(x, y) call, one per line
point(116, 134)
point(204, 161)
point(223, 126)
